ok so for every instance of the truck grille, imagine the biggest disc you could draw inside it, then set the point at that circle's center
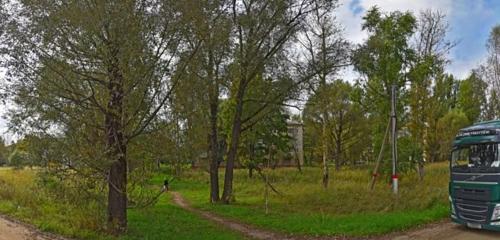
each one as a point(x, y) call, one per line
point(472, 211)
point(472, 208)
point(472, 194)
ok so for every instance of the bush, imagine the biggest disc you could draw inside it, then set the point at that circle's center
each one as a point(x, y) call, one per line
point(18, 159)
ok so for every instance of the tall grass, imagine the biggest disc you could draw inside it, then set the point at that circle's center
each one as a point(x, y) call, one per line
point(22, 197)
point(348, 202)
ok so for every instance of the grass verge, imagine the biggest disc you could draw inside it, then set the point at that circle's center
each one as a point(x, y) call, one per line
point(346, 208)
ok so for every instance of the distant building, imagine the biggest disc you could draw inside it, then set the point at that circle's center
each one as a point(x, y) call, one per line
point(296, 153)
point(296, 133)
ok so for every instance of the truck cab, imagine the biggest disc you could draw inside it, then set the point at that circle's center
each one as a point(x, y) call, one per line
point(474, 186)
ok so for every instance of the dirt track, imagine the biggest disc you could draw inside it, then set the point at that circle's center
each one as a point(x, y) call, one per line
point(13, 230)
point(447, 231)
point(439, 231)
point(246, 230)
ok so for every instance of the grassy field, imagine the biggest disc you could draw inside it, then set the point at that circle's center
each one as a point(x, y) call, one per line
point(21, 199)
point(346, 208)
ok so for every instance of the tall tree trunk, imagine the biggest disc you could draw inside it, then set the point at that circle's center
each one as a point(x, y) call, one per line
point(116, 153)
point(338, 155)
point(252, 159)
point(214, 158)
point(421, 170)
point(213, 95)
point(325, 156)
point(338, 145)
point(299, 167)
point(233, 148)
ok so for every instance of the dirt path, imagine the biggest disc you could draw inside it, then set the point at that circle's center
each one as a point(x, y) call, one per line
point(447, 231)
point(14, 230)
point(438, 231)
point(236, 226)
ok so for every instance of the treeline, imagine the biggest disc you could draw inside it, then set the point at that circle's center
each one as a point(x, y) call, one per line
point(346, 122)
point(108, 92)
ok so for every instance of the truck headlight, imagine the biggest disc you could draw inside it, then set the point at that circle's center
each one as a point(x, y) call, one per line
point(496, 213)
point(453, 207)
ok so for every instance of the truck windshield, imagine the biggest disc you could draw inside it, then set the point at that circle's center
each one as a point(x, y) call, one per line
point(480, 156)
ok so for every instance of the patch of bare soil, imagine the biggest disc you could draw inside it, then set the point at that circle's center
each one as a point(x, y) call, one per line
point(446, 230)
point(15, 230)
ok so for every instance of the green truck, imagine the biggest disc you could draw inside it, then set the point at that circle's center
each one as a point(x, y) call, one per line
point(475, 176)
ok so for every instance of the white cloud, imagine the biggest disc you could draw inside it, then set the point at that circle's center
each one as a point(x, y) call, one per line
point(351, 22)
point(462, 68)
point(408, 5)
point(350, 12)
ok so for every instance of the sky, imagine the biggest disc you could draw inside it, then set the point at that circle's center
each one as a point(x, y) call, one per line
point(470, 22)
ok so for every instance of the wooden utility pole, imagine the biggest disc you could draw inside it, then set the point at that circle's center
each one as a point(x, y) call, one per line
point(394, 142)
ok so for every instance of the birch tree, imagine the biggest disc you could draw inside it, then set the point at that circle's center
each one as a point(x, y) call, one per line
point(326, 52)
point(490, 72)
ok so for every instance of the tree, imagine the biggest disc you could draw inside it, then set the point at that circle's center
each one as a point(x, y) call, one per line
point(268, 137)
point(3, 152)
point(345, 128)
point(262, 30)
point(3, 17)
point(262, 142)
point(431, 48)
point(385, 59)
point(490, 72)
point(430, 38)
point(471, 97)
point(95, 76)
point(492, 110)
point(448, 127)
point(443, 99)
point(326, 52)
point(17, 159)
point(210, 23)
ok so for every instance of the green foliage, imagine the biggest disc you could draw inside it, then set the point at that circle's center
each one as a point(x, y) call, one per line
point(265, 137)
point(18, 159)
point(420, 97)
point(386, 55)
point(409, 155)
point(448, 127)
point(472, 97)
point(334, 104)
point(3, 153)
point(443, 99)
point(385, 59)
